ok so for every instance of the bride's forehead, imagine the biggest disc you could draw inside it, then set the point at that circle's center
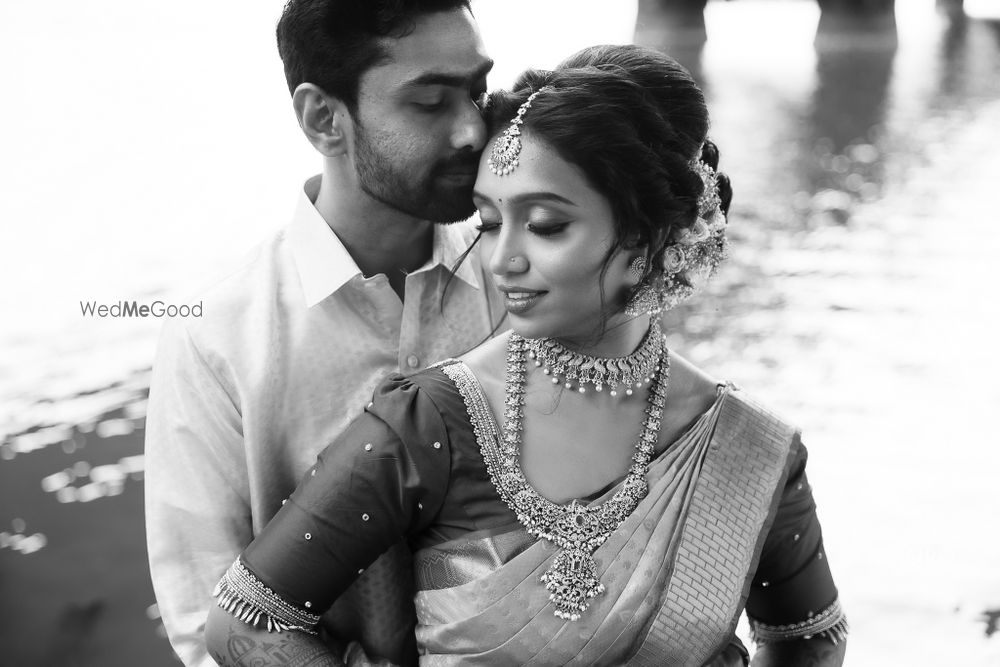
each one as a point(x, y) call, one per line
point(539, 166)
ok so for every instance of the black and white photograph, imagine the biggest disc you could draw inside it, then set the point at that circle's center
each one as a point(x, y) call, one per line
point(384, 333)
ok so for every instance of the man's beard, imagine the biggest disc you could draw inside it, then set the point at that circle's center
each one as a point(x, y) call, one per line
point(417, 195)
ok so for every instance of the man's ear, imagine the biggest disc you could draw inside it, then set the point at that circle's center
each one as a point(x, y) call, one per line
point(324, 119)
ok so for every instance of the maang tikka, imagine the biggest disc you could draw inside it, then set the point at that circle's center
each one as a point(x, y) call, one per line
point(507, 147)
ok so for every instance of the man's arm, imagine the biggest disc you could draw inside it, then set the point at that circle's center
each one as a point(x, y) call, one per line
point(197, 505)
point(813, 652)
point(233, 643)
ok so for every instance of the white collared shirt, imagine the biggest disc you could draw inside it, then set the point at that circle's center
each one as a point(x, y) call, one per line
point(286, 354)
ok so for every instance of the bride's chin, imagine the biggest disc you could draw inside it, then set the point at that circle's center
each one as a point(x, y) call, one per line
point(526, 329)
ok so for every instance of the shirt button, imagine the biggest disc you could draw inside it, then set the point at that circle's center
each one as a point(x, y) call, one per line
point(412, 361)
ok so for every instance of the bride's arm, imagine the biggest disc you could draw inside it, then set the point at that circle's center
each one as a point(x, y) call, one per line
point(383, 479)
point(794, 608)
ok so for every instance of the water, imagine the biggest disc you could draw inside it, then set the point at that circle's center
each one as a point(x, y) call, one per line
point(144, 154)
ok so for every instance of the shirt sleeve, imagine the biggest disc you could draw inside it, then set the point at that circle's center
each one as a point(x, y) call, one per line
point(792, 594)
point(197, 508)
point(384, 478)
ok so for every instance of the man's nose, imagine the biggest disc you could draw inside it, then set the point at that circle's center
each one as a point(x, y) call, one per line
point(469, 132)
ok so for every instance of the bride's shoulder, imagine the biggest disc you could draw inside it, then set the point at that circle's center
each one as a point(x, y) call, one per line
point(690, 386)
point(489, 356)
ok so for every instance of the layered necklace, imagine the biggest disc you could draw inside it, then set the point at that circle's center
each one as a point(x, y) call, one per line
point(577, 529)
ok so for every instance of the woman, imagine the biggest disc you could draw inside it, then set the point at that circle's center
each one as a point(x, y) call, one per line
point(574, 492)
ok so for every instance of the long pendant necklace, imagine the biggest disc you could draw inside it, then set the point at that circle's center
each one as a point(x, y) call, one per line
point(576, 529)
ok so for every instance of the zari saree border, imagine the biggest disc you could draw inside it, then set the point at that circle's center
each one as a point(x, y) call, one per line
point(732, 509)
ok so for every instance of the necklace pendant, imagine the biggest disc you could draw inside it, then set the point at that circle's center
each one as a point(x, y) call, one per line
point(572, 582)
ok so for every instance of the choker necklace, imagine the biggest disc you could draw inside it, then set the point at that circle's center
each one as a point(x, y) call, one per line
point(617, 373)
point(576, 529)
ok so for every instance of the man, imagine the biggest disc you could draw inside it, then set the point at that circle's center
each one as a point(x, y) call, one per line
point(359, 284)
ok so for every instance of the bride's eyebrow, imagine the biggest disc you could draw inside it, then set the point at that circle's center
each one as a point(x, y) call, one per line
point(543, 196)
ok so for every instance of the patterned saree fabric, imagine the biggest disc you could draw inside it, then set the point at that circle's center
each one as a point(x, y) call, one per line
point(729, 519)
point(675, 571)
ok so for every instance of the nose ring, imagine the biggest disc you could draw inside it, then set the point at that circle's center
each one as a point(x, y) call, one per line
point(517, 263)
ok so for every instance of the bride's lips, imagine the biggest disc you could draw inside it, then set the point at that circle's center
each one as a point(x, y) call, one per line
point(518, 300)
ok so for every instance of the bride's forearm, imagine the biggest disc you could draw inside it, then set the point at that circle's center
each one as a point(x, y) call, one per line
point(232, 643)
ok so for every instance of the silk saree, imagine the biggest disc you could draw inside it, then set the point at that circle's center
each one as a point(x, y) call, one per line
point(728, 522)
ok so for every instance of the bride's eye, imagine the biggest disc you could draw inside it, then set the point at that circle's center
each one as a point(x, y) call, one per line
point(545, 221)
point(486, 226)
point(548, 228)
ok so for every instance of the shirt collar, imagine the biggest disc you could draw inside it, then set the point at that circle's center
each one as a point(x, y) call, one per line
point(324, 265)
point(450, 242)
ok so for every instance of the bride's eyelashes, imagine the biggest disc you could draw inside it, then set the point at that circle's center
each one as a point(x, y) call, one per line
point(485, 227)
point(548, 229)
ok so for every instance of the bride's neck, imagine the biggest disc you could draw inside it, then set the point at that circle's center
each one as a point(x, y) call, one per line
point(620, 338)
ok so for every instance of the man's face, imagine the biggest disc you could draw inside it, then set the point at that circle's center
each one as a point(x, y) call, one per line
point(418, 128)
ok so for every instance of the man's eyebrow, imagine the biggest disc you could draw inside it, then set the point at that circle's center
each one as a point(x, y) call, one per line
point(455, 80)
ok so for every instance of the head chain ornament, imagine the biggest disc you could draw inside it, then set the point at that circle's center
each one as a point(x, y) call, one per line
point(507, 147)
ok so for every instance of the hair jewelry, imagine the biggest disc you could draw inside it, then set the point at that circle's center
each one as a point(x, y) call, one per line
point(694, 252)
point(507, 147)
point(710, 198)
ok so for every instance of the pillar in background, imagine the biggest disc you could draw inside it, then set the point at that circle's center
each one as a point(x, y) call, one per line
point(676, 27)
point(952, 8)
point(856, 24)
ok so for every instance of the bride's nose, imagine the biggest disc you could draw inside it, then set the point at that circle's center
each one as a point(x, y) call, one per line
point(508, 258)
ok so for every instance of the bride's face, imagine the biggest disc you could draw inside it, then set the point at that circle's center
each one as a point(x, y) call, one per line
point(545, 236)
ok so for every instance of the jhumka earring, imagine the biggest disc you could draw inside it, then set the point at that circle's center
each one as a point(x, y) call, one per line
point(507, 147)
point(637, 267)
point(645, 299)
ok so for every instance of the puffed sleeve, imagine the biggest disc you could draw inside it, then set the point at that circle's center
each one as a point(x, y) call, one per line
point(384, 478)
point(792, 594)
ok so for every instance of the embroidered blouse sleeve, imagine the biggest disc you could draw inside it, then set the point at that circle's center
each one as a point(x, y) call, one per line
point(384, 478)
point(792, 594)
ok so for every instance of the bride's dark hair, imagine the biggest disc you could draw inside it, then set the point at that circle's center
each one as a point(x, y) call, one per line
point(633, 121)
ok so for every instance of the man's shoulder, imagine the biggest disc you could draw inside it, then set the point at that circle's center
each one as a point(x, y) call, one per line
point(249, 290)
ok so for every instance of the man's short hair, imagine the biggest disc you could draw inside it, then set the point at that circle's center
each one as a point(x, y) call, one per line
point(331, 43)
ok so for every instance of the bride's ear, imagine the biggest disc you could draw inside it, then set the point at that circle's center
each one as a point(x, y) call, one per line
point(324, 119)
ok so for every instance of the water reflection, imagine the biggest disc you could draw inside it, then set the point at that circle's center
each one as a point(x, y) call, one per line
point(843, 127)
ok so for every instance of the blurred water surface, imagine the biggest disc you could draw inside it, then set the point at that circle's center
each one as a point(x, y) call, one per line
point(147, 146)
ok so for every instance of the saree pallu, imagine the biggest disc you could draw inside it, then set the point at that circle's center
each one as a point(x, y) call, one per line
point(676, 572)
